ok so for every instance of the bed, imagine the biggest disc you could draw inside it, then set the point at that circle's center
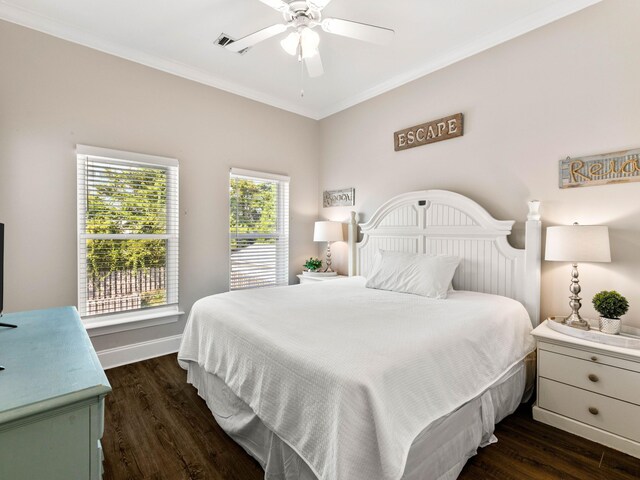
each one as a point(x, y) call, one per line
point(338, 381)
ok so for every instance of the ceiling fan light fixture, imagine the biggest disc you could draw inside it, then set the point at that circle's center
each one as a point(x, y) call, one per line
point(302, 17)
point(309, 39)
point(290, 43)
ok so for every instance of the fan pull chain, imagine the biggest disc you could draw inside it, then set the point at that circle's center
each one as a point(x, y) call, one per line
point(301, 78)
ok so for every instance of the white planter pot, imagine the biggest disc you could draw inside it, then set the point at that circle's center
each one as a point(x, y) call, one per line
point(610, 325)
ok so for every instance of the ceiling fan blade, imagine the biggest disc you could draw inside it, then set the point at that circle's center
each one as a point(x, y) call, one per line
point(279, 5)
point(256, 37)
point(314, 65)
point(318, 4)
point(359, 31)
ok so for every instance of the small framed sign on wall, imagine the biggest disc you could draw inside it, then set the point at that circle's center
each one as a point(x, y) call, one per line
point(339, 198)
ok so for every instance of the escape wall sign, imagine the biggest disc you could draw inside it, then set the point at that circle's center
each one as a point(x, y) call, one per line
point(430, 132)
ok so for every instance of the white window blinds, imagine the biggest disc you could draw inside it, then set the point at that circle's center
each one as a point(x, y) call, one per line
point(127, 231)
point(259, 229)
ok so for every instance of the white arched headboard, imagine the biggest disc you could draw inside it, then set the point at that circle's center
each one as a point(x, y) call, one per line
point(442, 222)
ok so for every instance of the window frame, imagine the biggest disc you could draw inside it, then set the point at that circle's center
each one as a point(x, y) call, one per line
point(282, 222)
point(103, 324)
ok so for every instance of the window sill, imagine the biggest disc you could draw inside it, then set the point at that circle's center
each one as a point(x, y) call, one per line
point(121, 322)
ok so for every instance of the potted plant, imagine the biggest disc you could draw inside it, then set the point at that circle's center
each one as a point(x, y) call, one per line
point(611, 306)
point(313, 264)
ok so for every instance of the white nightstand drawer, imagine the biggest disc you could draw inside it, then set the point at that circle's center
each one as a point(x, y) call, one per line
point(615, 416)
point(591, 356)
point(590, 375)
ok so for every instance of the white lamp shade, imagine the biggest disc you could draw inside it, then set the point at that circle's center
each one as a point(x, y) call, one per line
point(290, 43)
point(327, 232)
point(578, 243)
point(309, 39)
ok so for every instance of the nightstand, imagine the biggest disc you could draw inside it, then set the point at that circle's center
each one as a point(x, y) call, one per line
point(310, 279)
point(589, 389)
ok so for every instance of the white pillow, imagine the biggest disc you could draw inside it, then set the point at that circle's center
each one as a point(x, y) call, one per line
point(417, 273)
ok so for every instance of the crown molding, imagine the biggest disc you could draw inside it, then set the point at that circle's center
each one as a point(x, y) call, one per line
point(539, 19)
point(516, 29)
point(42, 23)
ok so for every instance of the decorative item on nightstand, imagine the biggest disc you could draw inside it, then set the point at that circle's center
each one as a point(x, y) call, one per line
point(326, 231)
point(313, 264)
point(577, 243)
point(611, 306)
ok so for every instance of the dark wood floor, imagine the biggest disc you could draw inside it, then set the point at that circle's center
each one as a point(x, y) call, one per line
point(156, 427)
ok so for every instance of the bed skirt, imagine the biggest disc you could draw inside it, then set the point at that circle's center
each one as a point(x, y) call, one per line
point(439, 452)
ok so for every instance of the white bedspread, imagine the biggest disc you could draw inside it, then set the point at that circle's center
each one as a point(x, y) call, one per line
point(349, 376)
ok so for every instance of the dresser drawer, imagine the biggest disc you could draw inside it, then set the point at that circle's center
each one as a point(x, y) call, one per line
point(590, 375)
point(615, 416)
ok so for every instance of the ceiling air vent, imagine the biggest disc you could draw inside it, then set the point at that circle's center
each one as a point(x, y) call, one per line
point(223, 40)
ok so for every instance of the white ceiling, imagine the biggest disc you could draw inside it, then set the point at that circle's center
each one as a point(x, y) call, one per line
point(177, 36)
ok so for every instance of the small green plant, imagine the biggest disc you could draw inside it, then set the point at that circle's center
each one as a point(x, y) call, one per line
point(313, 264)
point(610, 304)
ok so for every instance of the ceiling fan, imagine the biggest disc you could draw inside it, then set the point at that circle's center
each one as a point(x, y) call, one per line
point(302, 16)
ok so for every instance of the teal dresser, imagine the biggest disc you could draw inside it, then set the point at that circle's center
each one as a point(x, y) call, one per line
point(51, 398)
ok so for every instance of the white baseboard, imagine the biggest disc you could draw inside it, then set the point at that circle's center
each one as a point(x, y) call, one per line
point(118, 356)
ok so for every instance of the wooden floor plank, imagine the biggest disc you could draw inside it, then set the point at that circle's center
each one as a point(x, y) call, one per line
point(158, 428)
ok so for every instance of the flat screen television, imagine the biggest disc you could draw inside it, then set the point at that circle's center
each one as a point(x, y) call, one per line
point(1, 268)
point(9, 325)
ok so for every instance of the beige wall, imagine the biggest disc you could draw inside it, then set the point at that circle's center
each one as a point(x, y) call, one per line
point(570, 88)
point(54, 94)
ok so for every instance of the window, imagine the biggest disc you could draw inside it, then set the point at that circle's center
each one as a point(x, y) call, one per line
point(258, 229)
point(127, 231)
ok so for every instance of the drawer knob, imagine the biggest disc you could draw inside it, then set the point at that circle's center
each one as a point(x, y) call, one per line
point(593, 410)
point(594, 359)
point(593, 378)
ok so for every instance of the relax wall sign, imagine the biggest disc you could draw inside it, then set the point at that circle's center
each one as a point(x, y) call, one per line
point(430, 132)
point(615, 167)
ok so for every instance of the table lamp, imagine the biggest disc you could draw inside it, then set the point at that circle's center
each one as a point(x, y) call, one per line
point(577, 243)
point(326, 231)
